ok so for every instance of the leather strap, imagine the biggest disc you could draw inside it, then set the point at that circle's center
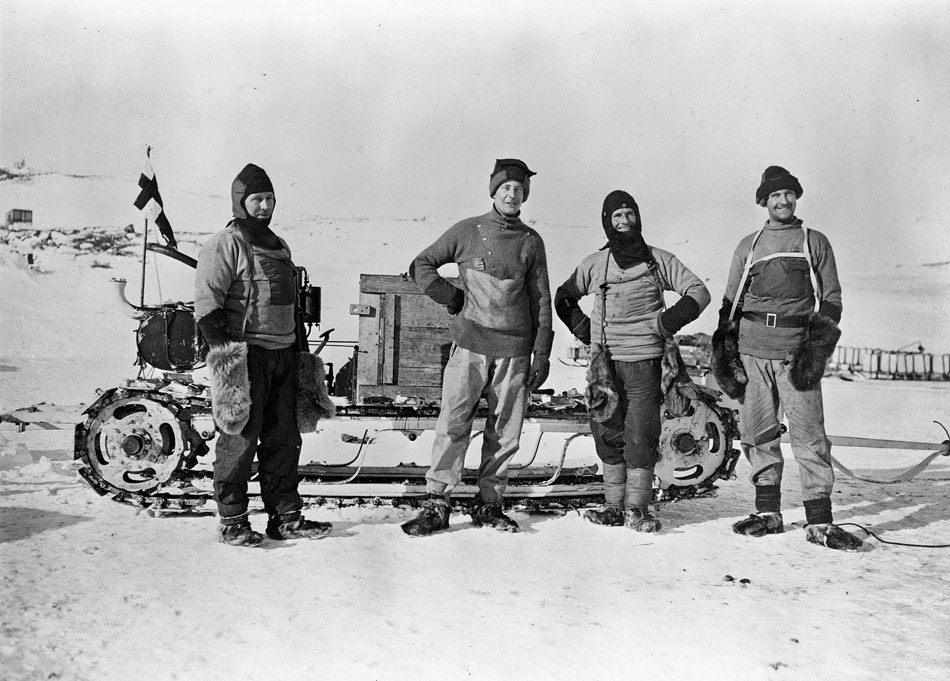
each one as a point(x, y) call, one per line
point(777, 321)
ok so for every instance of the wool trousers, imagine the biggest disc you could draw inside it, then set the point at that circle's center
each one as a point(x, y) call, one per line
point(632, 434)
point(271, 433)
point(468, 377)
point(767, 394)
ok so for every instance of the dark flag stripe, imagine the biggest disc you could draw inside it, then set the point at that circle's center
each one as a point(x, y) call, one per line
point(150, 201)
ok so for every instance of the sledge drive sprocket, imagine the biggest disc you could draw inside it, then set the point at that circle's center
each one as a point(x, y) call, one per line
point(132, 442)
point(696, 448)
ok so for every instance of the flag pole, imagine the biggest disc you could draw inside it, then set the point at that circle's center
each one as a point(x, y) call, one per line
point(144, 257)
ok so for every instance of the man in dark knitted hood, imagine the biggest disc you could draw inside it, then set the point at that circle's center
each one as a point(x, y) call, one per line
point(245, 304)
point(627, 332)
point(778, 327)
point(501, 328)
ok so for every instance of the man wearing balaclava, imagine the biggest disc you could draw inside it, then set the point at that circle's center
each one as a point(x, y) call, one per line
point(501, 328)
point(778, 326)
point(245, 304)
point(627, 331)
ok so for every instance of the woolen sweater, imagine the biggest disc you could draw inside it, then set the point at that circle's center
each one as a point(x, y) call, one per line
point(503, 272)
point(788, 295)
point(633, 299)
point(233, 271)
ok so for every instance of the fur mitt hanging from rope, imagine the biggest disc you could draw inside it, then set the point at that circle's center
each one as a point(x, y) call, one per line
point(313, 398)
point(230, 386)
point(808, 361)
point(602, 396)
point(726, 365)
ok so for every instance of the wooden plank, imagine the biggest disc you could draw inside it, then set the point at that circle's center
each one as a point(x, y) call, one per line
point(420, 347)
point(426, 393)
point(367, 372)
point(387, 283)
point(389, 339)
point(422, 311)
point(413, 377)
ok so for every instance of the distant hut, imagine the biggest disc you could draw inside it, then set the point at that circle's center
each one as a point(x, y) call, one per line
point(19, 215)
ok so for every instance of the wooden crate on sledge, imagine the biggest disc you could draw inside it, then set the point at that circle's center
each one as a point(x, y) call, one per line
point(404, 340)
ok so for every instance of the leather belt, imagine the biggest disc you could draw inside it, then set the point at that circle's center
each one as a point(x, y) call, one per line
point(795, 321)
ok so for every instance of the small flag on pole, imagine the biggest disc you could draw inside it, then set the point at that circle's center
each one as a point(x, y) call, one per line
point(149, 201)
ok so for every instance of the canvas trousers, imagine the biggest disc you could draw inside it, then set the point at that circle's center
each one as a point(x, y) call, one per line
point(271, 433)
point(767, 394)
point(632, 434)
point(469, 376)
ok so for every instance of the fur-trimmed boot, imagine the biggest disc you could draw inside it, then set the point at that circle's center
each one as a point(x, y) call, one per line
point(767, 518)
point(639, 495)
point(615, 488)
point(313, 398)
point(492, 515)
point(237, 532)
point(726, 364)
point(832, 536)
point(808, 361)
point(295, 526)
point(433, 518)
point(760, 524)
point(230, 386)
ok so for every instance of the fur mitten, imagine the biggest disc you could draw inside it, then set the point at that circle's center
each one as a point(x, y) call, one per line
point(808, 360)
point(230, 386)
point(313, 398)
point(602, 397)
point(726, 365)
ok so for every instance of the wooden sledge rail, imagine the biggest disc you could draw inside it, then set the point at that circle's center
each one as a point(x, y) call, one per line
point(411, 423)
point(313, 472)
point(381, 491)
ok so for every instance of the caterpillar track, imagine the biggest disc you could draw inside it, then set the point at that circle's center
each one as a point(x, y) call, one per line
point(146, 444)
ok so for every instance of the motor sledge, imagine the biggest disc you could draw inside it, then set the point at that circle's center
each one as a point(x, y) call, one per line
point(147, 441)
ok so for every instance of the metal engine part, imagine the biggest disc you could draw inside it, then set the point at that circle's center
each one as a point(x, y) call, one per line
point(135, 441)
point(695, 447)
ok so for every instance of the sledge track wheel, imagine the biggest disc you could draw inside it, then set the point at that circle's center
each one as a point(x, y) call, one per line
point(134, 444)
point(692, 447)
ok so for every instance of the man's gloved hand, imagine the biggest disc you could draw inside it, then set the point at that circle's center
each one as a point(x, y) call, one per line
point(457, 303)
point(215, 327)
point(538, 373)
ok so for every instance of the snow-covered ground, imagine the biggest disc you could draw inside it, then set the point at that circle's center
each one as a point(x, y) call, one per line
point(94, 590)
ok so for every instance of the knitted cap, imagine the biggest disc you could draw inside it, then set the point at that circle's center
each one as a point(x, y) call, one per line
point(775, 178)
point(510, 169)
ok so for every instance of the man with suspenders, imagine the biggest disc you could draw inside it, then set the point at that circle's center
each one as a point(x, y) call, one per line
point(778, 327)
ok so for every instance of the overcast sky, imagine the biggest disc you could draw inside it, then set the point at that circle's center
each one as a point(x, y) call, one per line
point(400, 108)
